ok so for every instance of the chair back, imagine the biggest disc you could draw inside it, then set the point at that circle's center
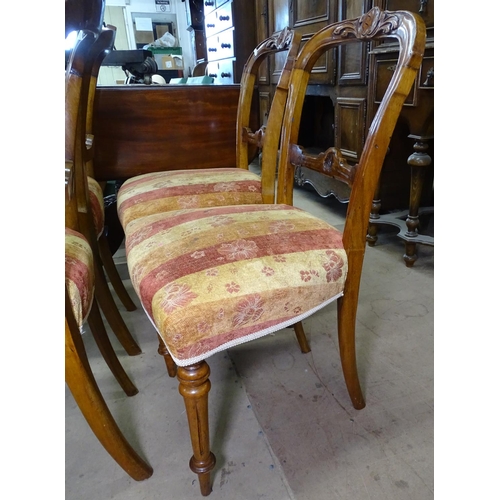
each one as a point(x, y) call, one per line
point(408, 30)
point(73, 117)
point(103, 44)
point(267, 137)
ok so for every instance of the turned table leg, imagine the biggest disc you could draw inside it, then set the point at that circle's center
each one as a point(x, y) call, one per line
point(419, 160)
point(371, 237)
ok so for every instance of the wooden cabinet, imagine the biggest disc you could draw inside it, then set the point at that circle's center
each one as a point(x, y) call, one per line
point(230, 38)
point(195, 18)
point(406, 182)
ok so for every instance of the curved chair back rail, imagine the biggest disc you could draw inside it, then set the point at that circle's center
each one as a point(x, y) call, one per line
point(409, 31)
point(266, 138)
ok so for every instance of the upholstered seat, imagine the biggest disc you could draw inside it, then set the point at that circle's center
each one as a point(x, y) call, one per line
point(214, 278)
point(79, 273)
point(165, 191)
point(96, 199)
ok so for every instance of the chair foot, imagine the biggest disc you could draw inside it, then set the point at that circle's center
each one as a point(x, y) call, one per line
point(194, 387)
point(301, 337)
point(346, 313)
point(169, 362)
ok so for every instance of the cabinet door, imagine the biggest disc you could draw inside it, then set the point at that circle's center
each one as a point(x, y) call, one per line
point(351, 90)
point(307, 18)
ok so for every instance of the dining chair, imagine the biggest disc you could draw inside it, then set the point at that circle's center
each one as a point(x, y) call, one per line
point(80, 305)
point(88, 192)
point(77, 266)
point(215, 277)
point(78, 372)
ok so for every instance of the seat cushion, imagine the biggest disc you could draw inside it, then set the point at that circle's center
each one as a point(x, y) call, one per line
point(178, 189)
point(96, 205)
point(79, 273)
point(216, 277)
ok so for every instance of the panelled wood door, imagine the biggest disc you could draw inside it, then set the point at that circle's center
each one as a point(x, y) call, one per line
point(336, 105)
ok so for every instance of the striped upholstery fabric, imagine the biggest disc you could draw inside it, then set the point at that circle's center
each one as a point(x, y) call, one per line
point(165, 191)
point(216, 277)
point(79, 271)
point(96, 197)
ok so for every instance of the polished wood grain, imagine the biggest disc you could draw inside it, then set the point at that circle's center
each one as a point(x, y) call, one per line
point(140, 129)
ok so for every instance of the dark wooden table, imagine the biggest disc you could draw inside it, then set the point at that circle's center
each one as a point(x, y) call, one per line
point(140, 128)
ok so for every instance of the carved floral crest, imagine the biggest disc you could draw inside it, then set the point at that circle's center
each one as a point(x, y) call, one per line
point(374, 22)
point(281, 40)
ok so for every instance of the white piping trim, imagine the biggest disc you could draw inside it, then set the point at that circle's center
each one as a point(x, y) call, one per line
point(247, 338)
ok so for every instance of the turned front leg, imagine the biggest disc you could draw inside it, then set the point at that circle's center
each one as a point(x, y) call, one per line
point(194, 387)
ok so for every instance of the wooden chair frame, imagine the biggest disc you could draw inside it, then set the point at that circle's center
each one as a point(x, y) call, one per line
point(97, 54)
point(88, 69)
point(78, 373)
point(409, 30)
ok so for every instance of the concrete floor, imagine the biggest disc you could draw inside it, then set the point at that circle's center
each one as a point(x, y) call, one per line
point(282, 425)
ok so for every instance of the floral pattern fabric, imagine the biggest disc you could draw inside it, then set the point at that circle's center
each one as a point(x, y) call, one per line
point(79, 274)
point(180, 189)
point(215, 277)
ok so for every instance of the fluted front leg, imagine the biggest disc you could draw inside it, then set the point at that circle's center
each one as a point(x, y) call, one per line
point(194, 387)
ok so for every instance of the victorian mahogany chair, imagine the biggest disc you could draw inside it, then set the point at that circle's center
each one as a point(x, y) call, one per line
point(88, 192)
point(79, 295)
point(212, 278)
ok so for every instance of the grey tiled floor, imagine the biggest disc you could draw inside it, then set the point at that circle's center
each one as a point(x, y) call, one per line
point(282, 426)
